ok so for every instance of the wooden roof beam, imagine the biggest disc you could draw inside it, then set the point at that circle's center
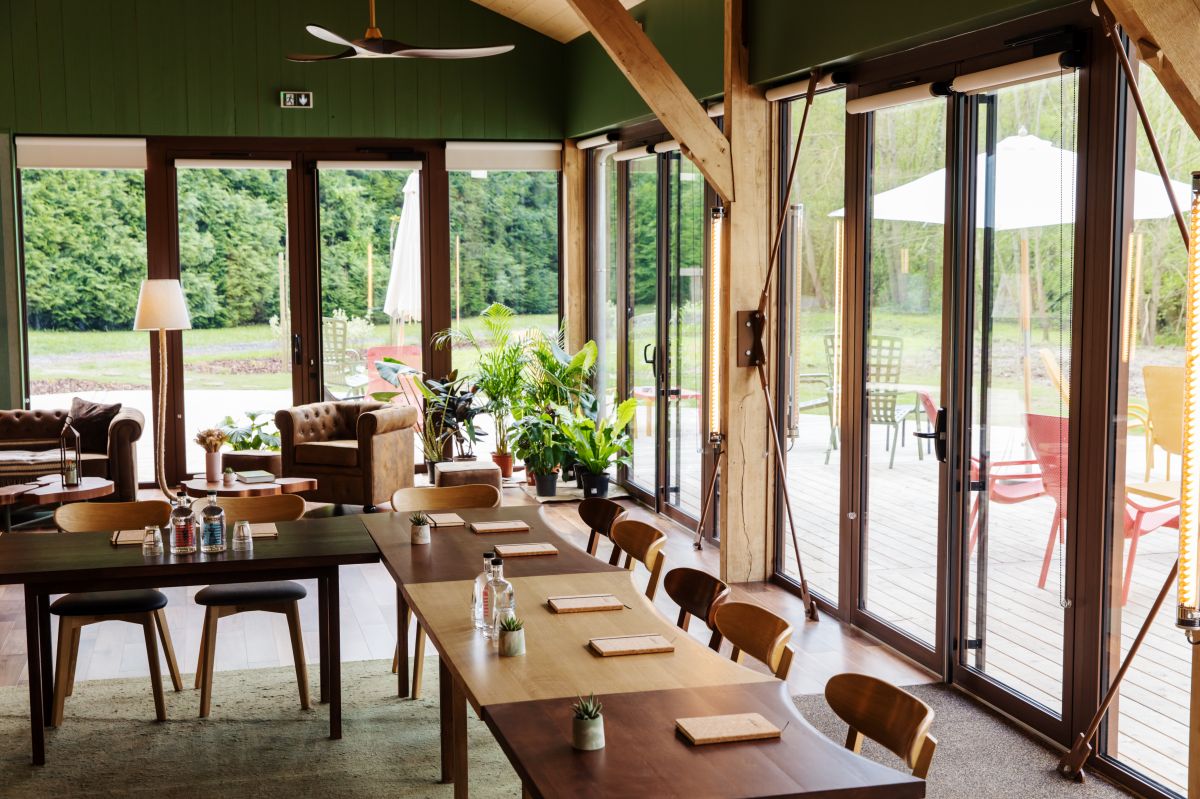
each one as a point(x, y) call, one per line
point(1165, 34)
point(663, 90)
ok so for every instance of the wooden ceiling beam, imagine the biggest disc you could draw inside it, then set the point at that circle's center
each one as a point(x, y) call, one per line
point(663, 90)
point(1164, 32)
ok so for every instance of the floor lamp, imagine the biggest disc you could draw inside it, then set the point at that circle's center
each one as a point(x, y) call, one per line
point(161, 307)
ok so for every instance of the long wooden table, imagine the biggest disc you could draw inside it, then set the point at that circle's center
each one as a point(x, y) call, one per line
point(525, 700)
point(49, 564)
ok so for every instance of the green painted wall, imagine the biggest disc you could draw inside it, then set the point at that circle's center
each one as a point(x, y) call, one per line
point(215, 67)
point(690, 35)
point(786, 37)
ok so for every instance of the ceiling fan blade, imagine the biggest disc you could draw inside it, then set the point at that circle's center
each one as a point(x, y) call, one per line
point(306, 57)
point(326, 35)
point(452, 52)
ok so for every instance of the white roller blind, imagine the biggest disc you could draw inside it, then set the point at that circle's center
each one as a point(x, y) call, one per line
point(787, 91)
point(230, 163)
point(878, 102)
point(378, 166)
point(71, 152)
point(988, 80)
point(502, 156)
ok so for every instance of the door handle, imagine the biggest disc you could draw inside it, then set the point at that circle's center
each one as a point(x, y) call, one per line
point(938, 436)
point(297, 357)
point(651, 357)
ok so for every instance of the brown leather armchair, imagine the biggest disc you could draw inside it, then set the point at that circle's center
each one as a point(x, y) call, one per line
point(359, 452)
point(29, 449)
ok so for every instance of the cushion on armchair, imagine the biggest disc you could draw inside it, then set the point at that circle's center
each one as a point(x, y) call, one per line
point(328, 453)
point(91, 421)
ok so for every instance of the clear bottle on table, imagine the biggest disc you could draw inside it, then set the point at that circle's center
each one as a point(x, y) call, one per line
point(500, 598)
point(479, 592)
point(212, 528)
point(183, 526)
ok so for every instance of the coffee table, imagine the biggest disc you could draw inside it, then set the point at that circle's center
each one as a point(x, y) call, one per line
point(49, 490)
point(199, 487)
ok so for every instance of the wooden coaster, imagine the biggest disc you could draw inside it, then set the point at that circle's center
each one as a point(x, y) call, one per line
point(727, 729)
point(524, 550)
point(445, 520)
point(506, 526)
point(630, 645)
point(584, 603)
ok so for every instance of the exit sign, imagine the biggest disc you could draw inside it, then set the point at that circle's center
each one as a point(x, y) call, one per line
point(295, 99)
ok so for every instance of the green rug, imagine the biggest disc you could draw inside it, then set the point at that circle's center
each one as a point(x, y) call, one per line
point(257, 742)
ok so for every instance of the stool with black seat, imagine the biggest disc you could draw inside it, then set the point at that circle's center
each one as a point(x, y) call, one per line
point(271, 596)
point(138, 606)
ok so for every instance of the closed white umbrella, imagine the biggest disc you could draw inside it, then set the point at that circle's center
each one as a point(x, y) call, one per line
point(403, 300)
point(1035, 187)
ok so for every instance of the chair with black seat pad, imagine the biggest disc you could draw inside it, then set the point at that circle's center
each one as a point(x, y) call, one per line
point(272, 596)
point(140, 606)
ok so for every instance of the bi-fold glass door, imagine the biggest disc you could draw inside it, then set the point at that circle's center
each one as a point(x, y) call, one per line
point(662, 284)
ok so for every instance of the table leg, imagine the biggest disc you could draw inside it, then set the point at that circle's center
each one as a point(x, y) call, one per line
point(8, 518)
point(47, 657)
point(33, 653)
point(445, 703)
point(323, 634)
point(458, 714)
point(335, 655)
point(402, 644)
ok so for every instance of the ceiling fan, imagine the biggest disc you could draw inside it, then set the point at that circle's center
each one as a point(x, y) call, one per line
point(373, 45)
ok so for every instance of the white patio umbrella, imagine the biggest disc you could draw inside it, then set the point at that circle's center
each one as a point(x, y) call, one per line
point(403, 300)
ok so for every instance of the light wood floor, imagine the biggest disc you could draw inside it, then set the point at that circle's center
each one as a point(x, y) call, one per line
point(260, 640)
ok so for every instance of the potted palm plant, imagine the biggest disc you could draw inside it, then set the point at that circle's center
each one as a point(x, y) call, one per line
point(599, 444)
point(499, 368)
point(587, 724)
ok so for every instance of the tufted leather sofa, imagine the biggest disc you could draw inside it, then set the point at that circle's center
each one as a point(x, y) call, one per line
point(29, 448)
point(359, 452)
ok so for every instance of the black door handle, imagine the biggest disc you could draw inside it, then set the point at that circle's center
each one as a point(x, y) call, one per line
point(651, 358)
point(938, 435)
point(297, 357)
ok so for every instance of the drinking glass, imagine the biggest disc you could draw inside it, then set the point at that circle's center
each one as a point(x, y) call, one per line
point(243, 539)
point(152, 543)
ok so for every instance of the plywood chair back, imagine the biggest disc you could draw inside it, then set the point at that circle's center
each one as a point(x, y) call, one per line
point(599, 514)
point(430, 498)
point(758, 632)
point(641, 542)
point(698, 594)
point(104, 517)
point(1164, 400)
point(257, 510)
point(890, 716)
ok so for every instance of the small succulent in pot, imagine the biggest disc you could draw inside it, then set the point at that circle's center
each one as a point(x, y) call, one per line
point(512, 636)
point(229, 476)
point(587, 725)
point(420, 527)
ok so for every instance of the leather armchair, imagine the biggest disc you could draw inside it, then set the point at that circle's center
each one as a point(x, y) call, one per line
point(359, 452)
point(29, 448)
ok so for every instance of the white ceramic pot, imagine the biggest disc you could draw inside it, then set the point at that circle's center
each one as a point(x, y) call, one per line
point(420, 534)
point(230, 478)
point(587, 734)
point(212, 467)
point(512, 643)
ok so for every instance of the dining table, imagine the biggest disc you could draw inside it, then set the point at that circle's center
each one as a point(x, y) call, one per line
point(525, 700)
point(58, 563)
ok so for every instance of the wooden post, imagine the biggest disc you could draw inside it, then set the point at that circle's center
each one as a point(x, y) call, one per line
point(574, 245)
point(747, 509)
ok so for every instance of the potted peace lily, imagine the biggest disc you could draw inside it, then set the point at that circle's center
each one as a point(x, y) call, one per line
point(587, 726)
point(599, 444)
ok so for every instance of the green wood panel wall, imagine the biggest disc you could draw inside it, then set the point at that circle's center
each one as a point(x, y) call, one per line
point(215, 68)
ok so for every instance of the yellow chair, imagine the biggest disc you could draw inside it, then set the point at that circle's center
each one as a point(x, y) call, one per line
point(1164, 403)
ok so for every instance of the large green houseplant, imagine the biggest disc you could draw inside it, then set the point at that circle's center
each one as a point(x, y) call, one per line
point(537, 440)
point(599, 443)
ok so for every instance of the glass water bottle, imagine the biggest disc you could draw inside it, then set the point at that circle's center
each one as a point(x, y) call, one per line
point(479, 592)
point(183, 527)
point(212, 529)
point(501, 603)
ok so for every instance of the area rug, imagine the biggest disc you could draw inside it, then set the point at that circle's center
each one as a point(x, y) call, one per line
point(979, 755)
point(258, 742)
point(569, 492)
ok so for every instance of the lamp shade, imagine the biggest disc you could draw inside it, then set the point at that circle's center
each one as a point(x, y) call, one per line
point(161, 306)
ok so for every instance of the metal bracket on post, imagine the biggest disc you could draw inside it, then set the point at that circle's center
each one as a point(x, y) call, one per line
point(751, 327)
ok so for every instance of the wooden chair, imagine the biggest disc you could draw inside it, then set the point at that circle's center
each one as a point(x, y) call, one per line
point(697, 594)
point(141, 606)
point(272, 596)
point(758, 632)
point(430, 498)
point(599, 514)
point(891, 717)
point(643, 542)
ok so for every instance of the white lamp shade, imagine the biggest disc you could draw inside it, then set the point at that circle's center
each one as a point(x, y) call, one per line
point(161, 306)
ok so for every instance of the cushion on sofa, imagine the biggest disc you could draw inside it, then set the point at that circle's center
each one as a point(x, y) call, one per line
point(340, 452)
point(91, 420)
